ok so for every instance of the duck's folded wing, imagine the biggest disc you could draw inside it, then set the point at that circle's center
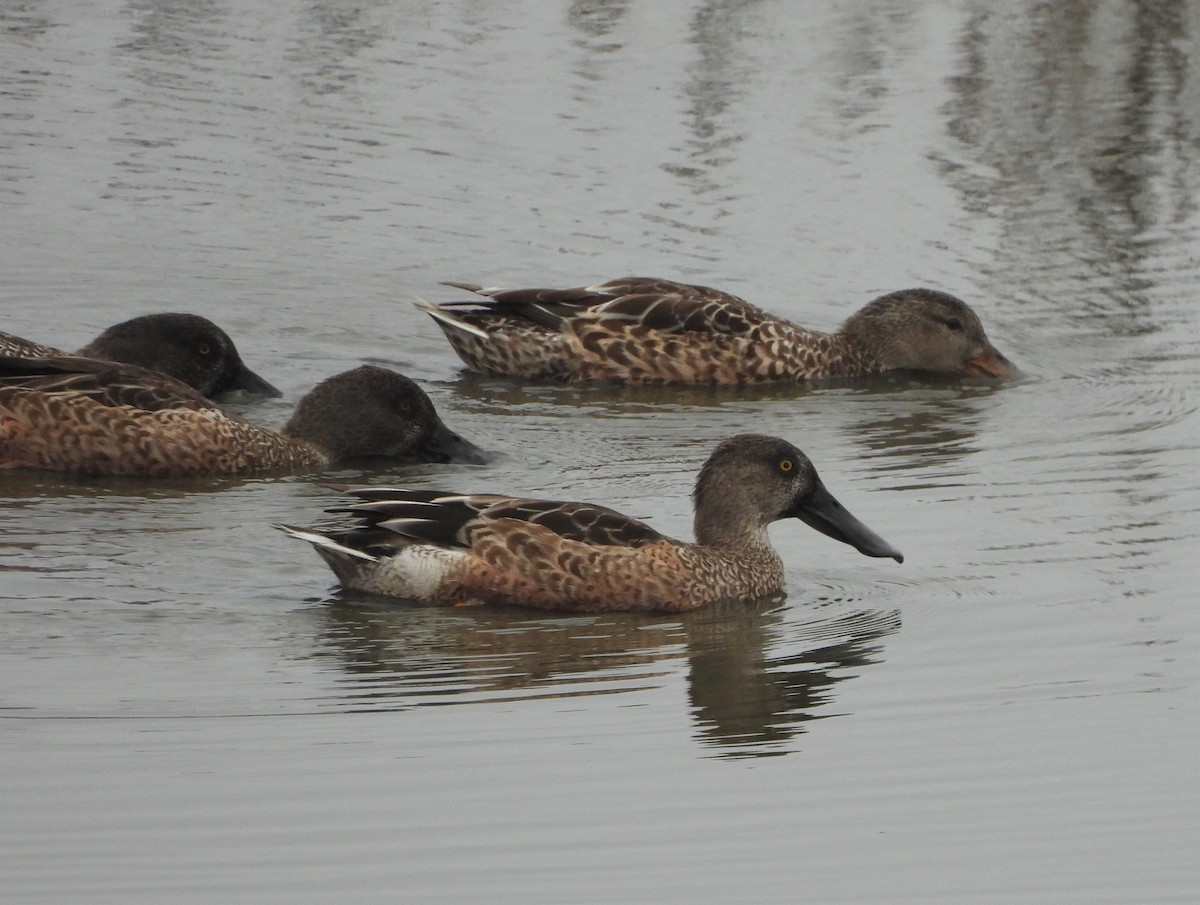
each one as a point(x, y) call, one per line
point(585, 523)
point(455, 520)
point(663, 306)
point(105, 382)
point(19, 347)
point(390, 516)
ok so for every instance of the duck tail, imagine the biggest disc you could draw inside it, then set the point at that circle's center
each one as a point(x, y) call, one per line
point(325, 545)
point(448, 319)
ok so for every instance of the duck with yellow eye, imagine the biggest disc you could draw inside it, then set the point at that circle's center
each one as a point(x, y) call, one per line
point(93, 417)
point(453, 548)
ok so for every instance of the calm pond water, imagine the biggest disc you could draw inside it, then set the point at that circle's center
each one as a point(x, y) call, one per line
point(190, 712)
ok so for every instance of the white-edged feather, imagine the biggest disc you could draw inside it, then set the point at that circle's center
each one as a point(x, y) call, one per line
point(450, 320)
point(320, 540)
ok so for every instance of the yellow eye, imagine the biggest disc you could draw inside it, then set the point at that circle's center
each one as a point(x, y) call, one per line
point(786, 465)
point(204, 349)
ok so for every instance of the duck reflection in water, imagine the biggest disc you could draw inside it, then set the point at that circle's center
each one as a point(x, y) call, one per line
point(755, 678)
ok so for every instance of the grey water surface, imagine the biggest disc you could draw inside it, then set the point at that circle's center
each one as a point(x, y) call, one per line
point(190, 711)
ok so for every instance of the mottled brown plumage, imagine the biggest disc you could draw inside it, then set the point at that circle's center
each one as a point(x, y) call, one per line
point(452, 548)
point(187, 347)
point(88, 416)
point(641, 330)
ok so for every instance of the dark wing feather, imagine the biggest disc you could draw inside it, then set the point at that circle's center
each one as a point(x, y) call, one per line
point(430, 516)
point(660, 305)
point(448, 519)
point(582, 522)
point(685, 313)
point(545, 307)
point(372, 493)
point(19, 347)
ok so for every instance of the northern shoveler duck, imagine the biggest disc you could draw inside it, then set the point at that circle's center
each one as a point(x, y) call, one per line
point(642, 330)
point(452, 548)
point(184, 346)
point(95, 417)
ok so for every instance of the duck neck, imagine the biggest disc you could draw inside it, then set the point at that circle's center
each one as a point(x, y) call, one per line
point(754, 568)
point(718, 526)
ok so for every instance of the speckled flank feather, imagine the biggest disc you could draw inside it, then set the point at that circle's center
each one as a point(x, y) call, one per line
point(641, 330)
point(532, 566)
point(79, 415)
point(485, 549)
point(78, 434)
point(94, 417)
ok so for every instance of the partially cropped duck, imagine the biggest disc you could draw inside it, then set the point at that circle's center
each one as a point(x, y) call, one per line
point(642, 330)
point(452, 548)
point(184, 346)
point(94, 417)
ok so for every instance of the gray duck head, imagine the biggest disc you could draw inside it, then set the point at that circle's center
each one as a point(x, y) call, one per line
point(751, 480)
point(928, 331)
